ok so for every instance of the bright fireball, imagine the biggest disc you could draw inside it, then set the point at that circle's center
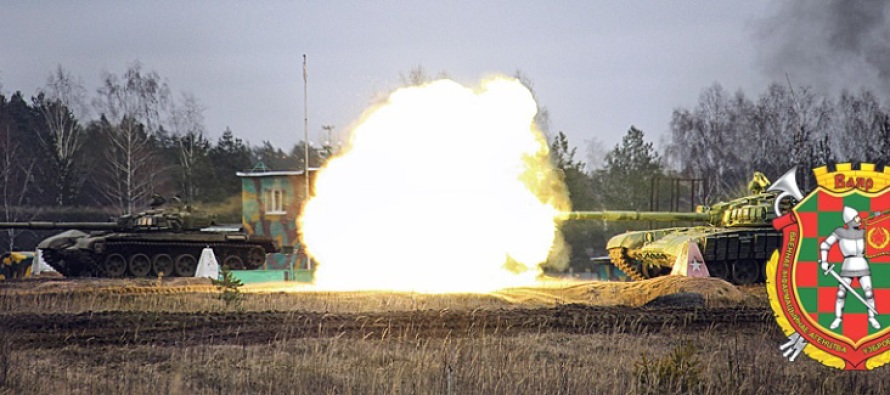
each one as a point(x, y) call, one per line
point(443, 189)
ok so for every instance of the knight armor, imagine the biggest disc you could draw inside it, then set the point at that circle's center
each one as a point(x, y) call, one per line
point(851, 242)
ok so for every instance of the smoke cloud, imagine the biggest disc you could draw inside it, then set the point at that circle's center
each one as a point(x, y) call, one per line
point(828, 45)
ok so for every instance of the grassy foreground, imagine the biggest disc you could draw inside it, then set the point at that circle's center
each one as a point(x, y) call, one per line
point(441, 344)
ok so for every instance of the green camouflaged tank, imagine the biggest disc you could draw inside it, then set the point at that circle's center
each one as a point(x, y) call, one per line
point(736, 242)
point(161, 240)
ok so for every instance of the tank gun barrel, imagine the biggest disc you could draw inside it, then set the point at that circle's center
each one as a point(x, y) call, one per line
point(658, 216)
point(48, 225)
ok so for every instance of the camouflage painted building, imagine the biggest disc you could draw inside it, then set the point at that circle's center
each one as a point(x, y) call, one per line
point(271, 202)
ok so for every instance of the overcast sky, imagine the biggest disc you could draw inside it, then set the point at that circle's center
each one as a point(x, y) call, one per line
point(597, 66)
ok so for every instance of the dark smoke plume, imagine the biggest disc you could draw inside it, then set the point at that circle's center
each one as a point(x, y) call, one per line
point(828, 45)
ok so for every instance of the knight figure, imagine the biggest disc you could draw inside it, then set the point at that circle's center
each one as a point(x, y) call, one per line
point(851, 241)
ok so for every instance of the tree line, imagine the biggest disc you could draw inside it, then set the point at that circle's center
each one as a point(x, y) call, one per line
point(728, 136)
point(720, 142)
point(130, 139)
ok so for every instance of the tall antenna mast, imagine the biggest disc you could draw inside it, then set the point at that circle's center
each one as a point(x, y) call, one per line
point(305, 127)
point(798, 134)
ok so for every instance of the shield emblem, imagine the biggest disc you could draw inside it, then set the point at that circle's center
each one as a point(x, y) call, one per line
point(804, 297)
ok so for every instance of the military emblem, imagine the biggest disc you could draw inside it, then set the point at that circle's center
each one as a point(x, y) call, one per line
point(829, 283)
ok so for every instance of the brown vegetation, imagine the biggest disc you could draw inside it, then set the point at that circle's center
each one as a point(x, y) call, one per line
point(107, 337)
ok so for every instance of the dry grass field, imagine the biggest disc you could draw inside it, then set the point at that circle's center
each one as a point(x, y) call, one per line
point(145, 337)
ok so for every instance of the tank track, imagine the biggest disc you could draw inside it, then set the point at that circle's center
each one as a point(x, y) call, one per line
point(83, 263)
point(747, 249)
point(740, 254)
point(145, 245)
point(76, 264)
point(622, 261)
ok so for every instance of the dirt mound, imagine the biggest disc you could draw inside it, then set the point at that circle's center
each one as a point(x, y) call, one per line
point(716, 292)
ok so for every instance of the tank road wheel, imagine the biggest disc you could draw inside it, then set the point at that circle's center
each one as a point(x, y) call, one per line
point(233, 262)
point(652, 271)
point(256, 257)
point(140, 265)
point(115, 265)
point(745, 271)
point(626, 264)
point(718, 269)
point(185, 266)
point(163, 263)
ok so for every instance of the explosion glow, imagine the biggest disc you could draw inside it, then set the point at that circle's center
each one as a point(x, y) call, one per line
point(443, 189)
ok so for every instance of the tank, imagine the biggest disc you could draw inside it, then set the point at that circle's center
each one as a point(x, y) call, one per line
point(736, 239)
point(156, 242)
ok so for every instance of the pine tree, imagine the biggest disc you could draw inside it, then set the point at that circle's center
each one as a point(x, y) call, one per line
point(625, 181)
point(229, 287)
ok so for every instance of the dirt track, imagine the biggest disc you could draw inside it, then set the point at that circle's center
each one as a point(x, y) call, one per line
point(575, 308)
point(125, 336)
point(185, 329)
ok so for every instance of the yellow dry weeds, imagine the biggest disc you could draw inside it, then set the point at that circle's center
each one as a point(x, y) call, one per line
point(716, 292)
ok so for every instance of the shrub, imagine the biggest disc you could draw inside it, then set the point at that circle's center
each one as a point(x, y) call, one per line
point(677, 372)
point(229, 287)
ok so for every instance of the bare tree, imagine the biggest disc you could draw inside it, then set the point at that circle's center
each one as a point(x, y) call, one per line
point(542, 117)
point(707, 142)
point(59, 104)
point(858, 127)
point(187, 125)
point(419, 76)
point(141, 96)
point(813, 124)
point(17, 175)
point(133, 106)
point(130, 176)
point(728, 137)
point(67, 89)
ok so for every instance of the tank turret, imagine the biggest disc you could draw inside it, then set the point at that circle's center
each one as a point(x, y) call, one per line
point(736, 237)
point(158, 219)
point(157, 242)
point(751, 210)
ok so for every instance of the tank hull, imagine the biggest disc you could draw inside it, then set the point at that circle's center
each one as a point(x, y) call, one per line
point(121, 254)
point(735, 244)
point(738, 254)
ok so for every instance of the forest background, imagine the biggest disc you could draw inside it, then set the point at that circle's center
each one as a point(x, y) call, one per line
point(67, 153)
